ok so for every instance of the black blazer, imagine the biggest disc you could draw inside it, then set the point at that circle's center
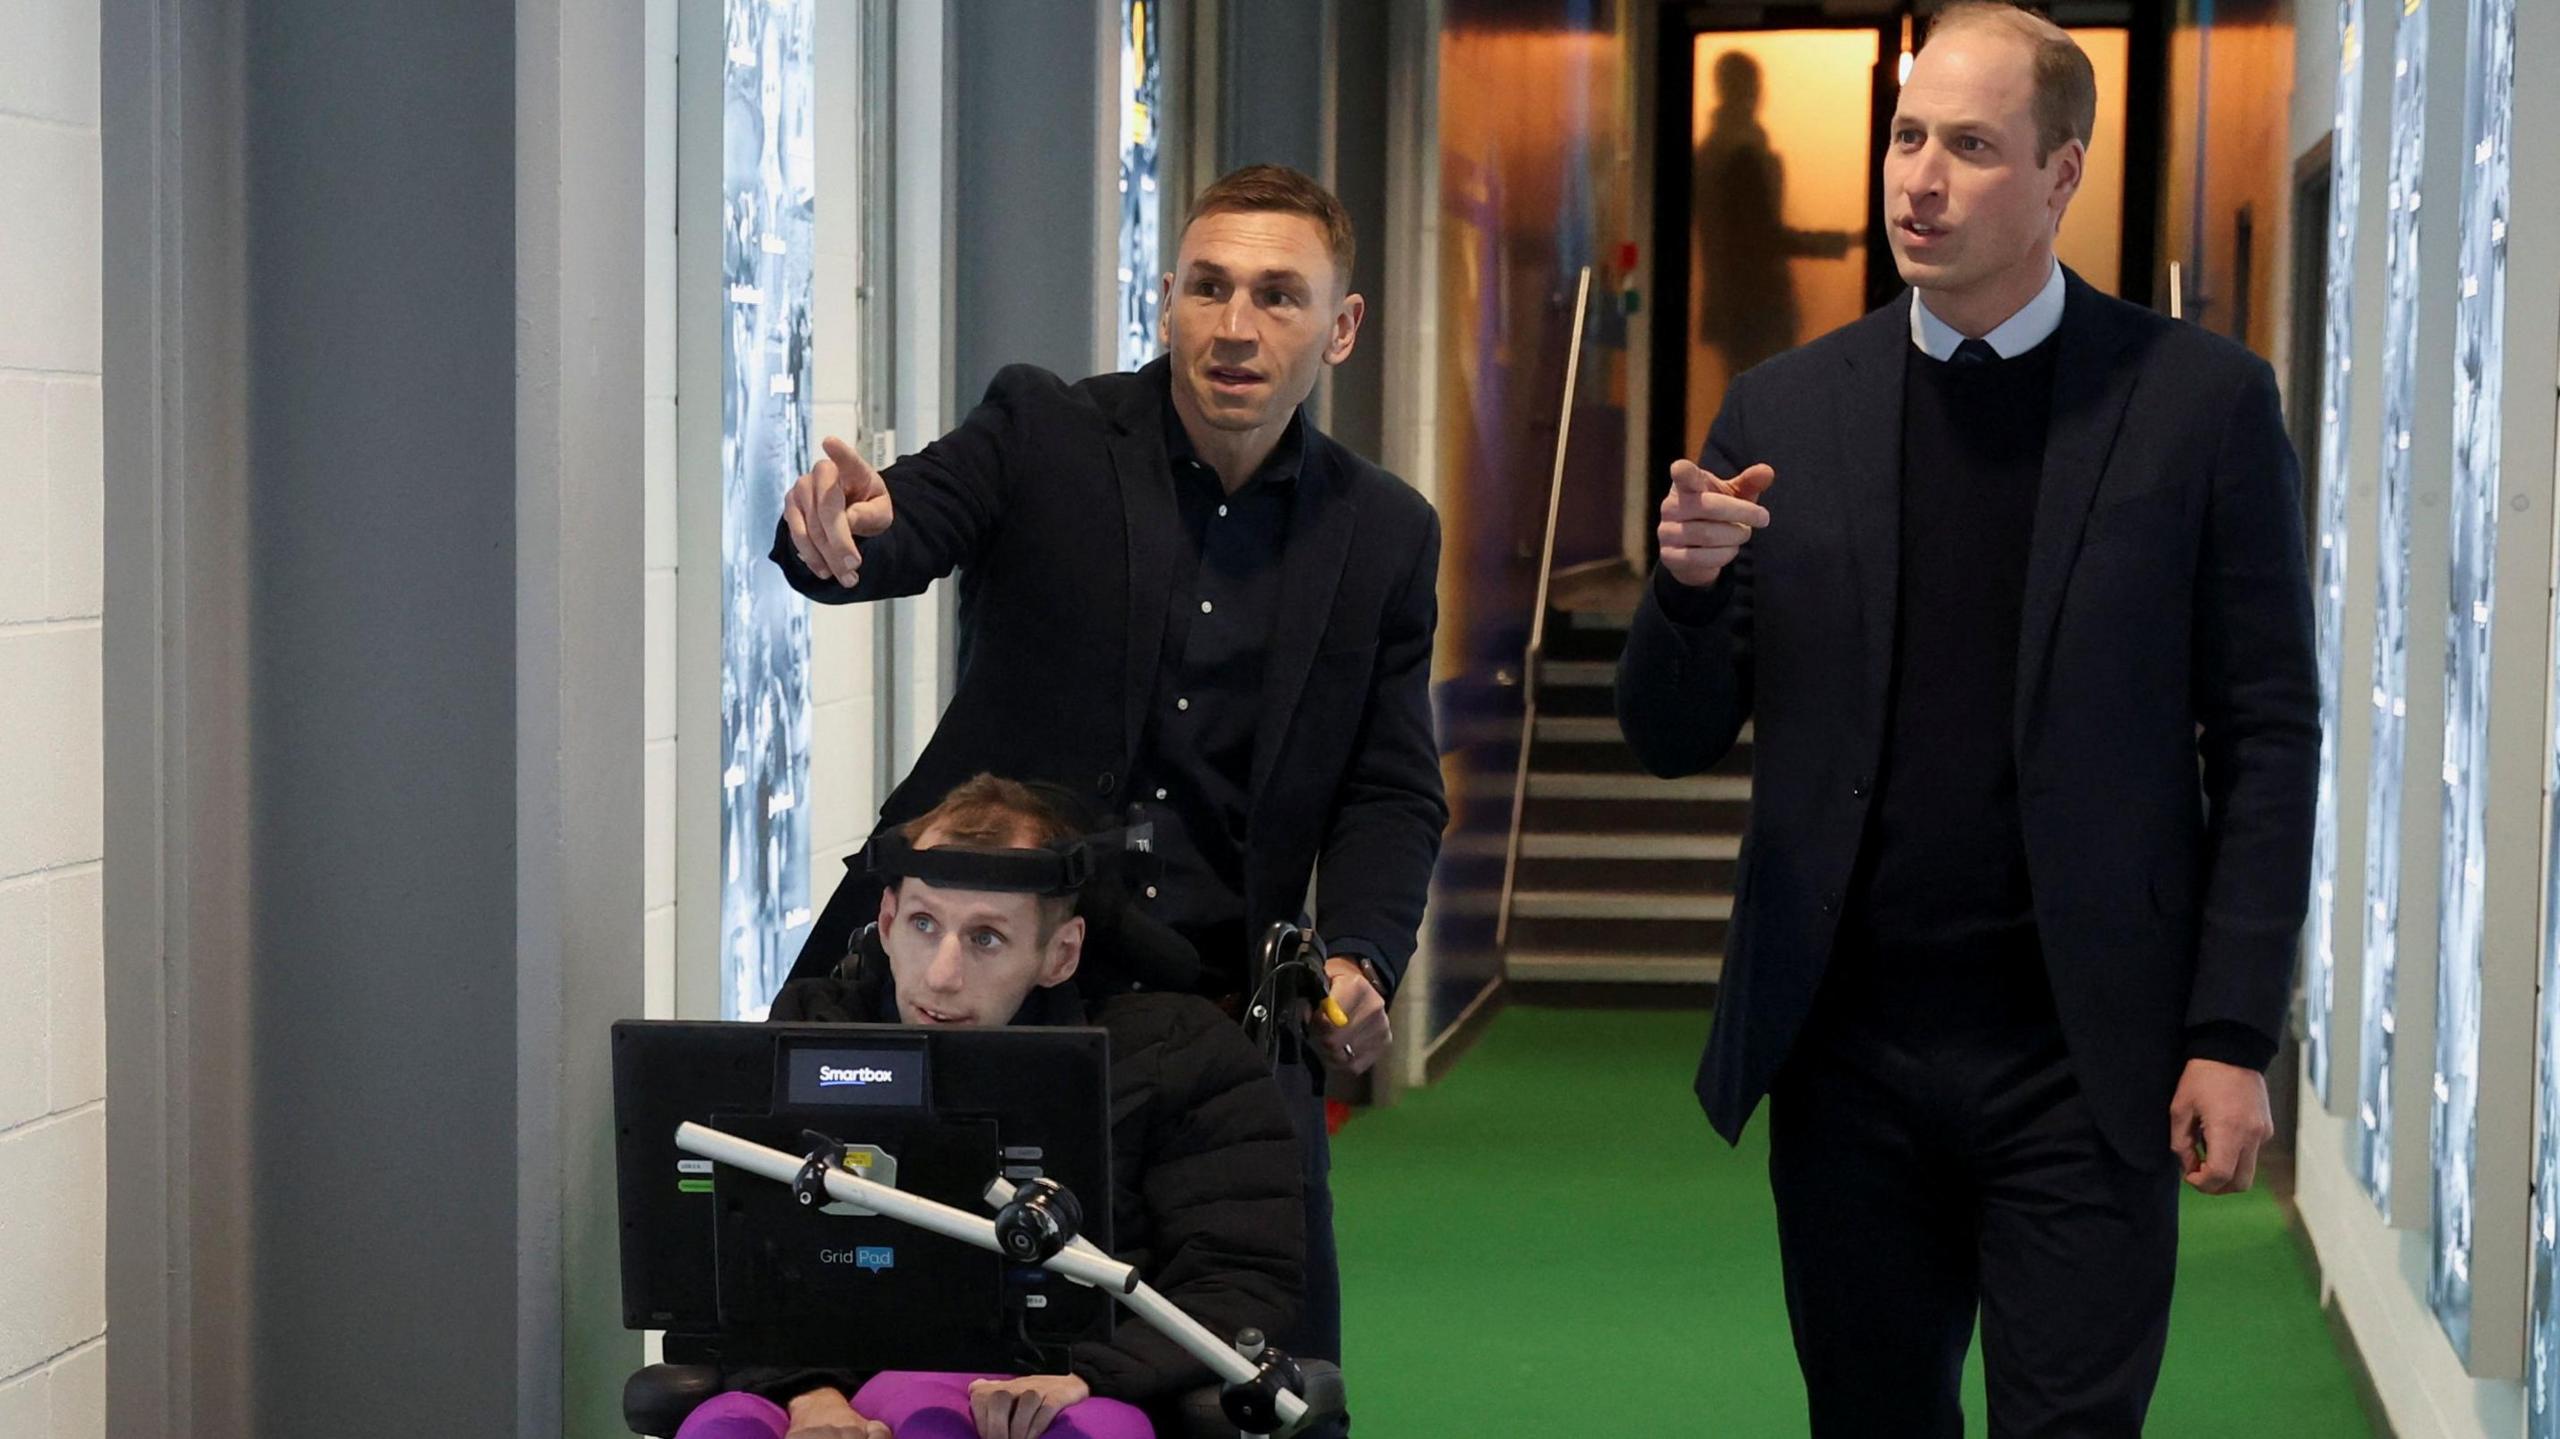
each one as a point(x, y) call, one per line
point(1055, 503)
point(2167, 621)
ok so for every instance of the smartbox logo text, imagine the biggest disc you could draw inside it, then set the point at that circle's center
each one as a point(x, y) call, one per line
point(836, 1077)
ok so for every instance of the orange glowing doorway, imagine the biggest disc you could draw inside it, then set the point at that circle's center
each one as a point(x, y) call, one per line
point(1768, 145)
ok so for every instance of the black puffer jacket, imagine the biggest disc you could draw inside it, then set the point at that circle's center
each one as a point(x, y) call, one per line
point(1204, 1164)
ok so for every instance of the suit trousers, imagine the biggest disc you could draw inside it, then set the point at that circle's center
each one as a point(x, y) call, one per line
point(1932, 1160)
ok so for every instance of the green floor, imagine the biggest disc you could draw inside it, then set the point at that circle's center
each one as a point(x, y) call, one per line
point(1552, 1241)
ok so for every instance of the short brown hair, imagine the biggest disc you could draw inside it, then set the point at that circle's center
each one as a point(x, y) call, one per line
point(2066, 84)
point(1277, 187)
point(1000, 814)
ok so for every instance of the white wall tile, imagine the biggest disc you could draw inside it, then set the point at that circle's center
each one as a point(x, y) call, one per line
point(658, 497)
point(658, 324)
point(658, 220)
point(50, 248)
point(53, 1239)
point(835, 122)
point(658, 483)
point(658, 668)
point(49, 60)
point(864, 797)
point(658, 825)
point(25, 944)
point(840, 652)
point(840, 418)
point(658, 964)
point(80, 1395)
point(52, 1165)
point(826, 871)
point(76, 500)
point(50, 759)
point(24, 475)
point(78, 1000)
point(26, 1404)
point(835, 296)
point(839, 773)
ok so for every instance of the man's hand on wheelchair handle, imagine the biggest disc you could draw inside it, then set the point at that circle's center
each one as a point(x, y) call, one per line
point(1355, 1044)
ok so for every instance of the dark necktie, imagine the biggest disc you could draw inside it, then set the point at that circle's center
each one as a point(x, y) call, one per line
point(1974, 352)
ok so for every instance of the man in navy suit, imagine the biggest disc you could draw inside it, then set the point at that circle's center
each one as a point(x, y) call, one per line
point(2009, 578)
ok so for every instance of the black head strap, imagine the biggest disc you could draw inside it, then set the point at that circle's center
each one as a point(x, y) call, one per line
point(1063, 868)
point(1055, 869)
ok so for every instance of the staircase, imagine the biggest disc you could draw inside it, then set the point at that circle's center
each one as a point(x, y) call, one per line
point(1623, 878)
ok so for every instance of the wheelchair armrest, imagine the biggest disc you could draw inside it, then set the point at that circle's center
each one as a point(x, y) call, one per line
point(1325, 1394)
point(656, 1400)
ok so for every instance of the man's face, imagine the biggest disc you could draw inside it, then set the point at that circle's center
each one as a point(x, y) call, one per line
point(970, 956)
point(1966, 205)
point(1252, 314)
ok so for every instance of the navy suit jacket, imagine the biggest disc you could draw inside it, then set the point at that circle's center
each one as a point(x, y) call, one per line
point(2166, 721)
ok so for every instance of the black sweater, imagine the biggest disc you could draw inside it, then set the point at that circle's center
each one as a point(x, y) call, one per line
point(1943, 875)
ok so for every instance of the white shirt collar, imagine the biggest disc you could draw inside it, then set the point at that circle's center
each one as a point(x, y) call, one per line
point(2034, 323)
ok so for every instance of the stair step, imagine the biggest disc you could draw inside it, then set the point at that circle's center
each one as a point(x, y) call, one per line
point(1552, 729)
point(1726, 787)
point(1547, 966)
point(1628, 786)
point(1469, 903)
point(1624, 936)
point(1630, 846)
point(1667, 877)
point(1579, 729)
point(1619, 846)
point(1668, 815)
point(1599, 674)
point(1619, 904)
point(1601, 619)
point(1578, 674)
point(1634, 846)
point(1597, 729)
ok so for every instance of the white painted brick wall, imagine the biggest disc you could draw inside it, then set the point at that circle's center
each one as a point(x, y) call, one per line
point(658, 832)
point(658, 517)
point(843, 758)
point(52, 1019)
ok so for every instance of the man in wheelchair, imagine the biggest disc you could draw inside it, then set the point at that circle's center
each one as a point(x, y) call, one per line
point(1205, 1163)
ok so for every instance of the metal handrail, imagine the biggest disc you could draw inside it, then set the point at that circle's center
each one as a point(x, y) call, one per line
point(1538, 619)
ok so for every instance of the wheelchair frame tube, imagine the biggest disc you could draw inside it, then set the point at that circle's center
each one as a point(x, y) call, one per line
point(1081, 1261)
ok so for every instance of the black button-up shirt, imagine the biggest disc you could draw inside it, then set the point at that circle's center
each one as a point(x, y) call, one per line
point(1194, 774)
